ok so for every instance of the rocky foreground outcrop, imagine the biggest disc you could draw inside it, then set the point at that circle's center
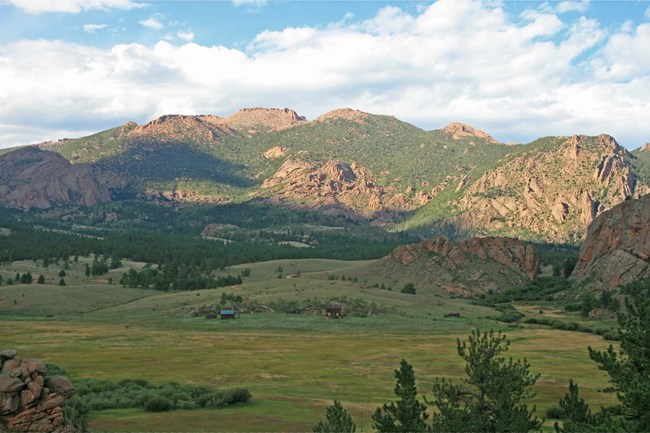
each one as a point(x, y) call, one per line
point(616, 250)
point(30, 403)
point(35, 178)
point(467, 267)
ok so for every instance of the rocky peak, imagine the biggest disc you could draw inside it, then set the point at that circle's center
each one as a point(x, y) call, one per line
point(645, 147)
point(30, 402)
point(459, 130)
point(35, 178)
point(253, 120)
point(344, 113)
point(616, 250)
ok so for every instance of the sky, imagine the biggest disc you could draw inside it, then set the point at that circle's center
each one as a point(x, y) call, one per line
point(518, 70)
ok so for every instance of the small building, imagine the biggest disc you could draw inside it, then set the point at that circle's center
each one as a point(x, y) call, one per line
point(227, 314)
point(334, 310)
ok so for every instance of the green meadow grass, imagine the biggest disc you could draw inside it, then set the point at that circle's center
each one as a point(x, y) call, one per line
point(294, 365)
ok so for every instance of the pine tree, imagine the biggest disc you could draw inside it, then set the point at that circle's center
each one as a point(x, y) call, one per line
point(61, 282)
point(41, 279)
point(406, 415)
point(338, 420)
point(629, 367)
point(575, 412)
point(489, 399)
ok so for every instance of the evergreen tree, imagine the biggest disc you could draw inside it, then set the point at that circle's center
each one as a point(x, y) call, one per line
point(489, 400)
point(406, 415)
point(629, 366)
point(87, 271)
point(61, 282)
point(41, 279)
point(338, 420)
point(408, 288)
point(62, 273)
point(575, 412)
point(26, 278)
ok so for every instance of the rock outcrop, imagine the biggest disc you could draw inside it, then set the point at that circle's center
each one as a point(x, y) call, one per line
point(344, 113)
point(30, 403)
point(334, 186)
point(209, 128)
point(471, 266)
point(254, 120)
point(616, 250)
point(179, 128)
point(554, 192)
point(459, 130)
point(35, 178)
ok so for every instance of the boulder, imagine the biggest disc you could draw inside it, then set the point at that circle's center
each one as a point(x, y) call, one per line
point(27, 403)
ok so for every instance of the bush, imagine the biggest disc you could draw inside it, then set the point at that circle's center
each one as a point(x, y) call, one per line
point(157, 404)
point(408, 288)
point(554, 412)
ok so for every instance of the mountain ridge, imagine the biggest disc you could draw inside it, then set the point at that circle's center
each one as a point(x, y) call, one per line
point(457, 179)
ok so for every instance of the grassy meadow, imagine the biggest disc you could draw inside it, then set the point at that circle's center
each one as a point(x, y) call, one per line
point(293, 364)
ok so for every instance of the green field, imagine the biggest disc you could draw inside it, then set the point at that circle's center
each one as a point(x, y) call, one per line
point(293, 364)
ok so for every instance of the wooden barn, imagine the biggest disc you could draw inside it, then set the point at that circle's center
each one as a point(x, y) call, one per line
point(227, 314)
point(334, 310)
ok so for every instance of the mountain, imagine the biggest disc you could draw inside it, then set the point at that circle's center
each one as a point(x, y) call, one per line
point(34, 178)
point(276, 155)
point(466, 267)
point(616, 250)
point(550, 189)
point(456, 180)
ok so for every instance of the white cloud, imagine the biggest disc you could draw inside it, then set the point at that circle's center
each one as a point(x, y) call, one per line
point(572, 6)
point(152, 23)
point(69, 6)
point(187, 36)
point(428, 68)
point(251, 3)
point(92, 28)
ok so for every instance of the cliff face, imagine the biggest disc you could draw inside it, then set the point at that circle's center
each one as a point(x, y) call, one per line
point(554, 193)
point(34, 178)
point(29, 403)
point(616, 250)
point(469, 266)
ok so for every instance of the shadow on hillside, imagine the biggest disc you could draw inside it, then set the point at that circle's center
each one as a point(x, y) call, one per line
point(174, 161)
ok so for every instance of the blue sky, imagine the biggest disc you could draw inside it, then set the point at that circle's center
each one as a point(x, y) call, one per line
point(518, 70)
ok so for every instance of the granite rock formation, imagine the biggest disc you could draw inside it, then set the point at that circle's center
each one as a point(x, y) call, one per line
point(616, 250)
point(30, 403)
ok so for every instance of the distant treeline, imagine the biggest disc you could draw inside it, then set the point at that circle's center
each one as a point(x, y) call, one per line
point(173, 277)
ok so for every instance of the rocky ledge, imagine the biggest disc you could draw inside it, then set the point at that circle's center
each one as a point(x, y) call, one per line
point(30, 402)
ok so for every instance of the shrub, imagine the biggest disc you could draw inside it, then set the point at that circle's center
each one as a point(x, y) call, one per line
point(554, 412)
point(157, 404)
point(408, 288)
